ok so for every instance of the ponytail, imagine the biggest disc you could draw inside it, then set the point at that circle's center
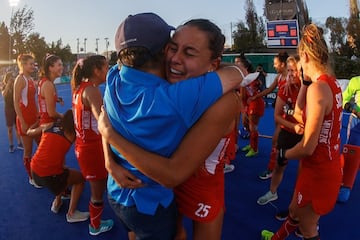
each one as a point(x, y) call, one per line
point(77, 74)
point(84, 69)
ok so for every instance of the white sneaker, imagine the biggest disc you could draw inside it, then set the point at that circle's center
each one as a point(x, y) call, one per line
point(77, 216)
point(229, 168)
point(55, 209)
point(32, 182)
point(268, 197)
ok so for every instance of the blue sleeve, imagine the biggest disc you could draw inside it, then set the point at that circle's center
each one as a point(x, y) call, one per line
point(111, 102)
point(194, 96)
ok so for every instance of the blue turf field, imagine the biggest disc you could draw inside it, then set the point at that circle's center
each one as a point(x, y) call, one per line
point(25, 212)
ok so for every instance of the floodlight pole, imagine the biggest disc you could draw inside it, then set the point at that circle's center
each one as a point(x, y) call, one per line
point(107, 46)
point(13, 4)
point(97, 45)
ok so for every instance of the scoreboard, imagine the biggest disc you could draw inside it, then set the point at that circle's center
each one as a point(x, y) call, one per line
point(282, 34)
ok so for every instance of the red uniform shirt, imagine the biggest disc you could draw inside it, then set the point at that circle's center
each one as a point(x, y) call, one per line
point(49, 158)
point(85, 122)
point(88, 143)
point(257, 106)
point(320, 174)
point(44, 115)
point(291, 101)
point(27, 104)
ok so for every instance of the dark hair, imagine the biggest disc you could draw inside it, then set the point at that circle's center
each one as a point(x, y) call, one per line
point(216, 38)
point(282, 56)
point(49, 60)
point(84, 69)
point(246, 63)
point(67, 122)
point(138, 57)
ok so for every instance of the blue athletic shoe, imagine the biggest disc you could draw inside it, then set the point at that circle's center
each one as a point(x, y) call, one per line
point(344, 194)
point(105, 225)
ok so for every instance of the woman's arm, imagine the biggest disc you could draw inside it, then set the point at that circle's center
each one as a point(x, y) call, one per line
point(231, 76)
point(92, 98)
point(319, 95)
point(268, 90)
point(121, 175)
point(194, 149)
point(36, 131)
point(48, 92)
point(5, 89)
point(19, 85)
point(278, 116)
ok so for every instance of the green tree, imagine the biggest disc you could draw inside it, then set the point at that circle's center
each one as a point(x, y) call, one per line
point(353, 28)
point(250, 35)
point(353, 31)
point(4, 40)
point(21, 25)
point(336, 27)
point(64, 52)
point(37, 46)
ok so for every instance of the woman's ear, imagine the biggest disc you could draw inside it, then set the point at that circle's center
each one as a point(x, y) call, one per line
point(215, 64)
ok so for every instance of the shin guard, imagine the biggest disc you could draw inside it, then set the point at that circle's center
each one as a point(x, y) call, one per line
point(351, 164)
point(272, 161)
point(286, 229)
point(96, 210)
point(254, 140)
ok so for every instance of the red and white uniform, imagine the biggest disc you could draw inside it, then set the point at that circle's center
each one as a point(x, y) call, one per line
point(291, 101)
point(320, 175)
point(49, 158)
point(88, 143)
point(281, 82)
point(44, 115)
point(194, 198)
point(27, 104)
point(257, 106)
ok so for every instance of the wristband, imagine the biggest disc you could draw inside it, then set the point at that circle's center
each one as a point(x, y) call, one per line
point(306, 83)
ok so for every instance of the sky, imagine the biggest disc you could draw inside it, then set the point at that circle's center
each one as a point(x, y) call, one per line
point(70, 20)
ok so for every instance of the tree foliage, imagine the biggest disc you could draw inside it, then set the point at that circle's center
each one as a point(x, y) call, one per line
point(21, 25)
point(37, 46)
point(64, 52)
point(4, 40)
point(336, 27)
point(24, 40)
point(353, 31)
point(250, 34)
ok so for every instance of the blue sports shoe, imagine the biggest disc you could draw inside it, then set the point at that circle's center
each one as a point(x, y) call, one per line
point(105, 225)
point(344, 194)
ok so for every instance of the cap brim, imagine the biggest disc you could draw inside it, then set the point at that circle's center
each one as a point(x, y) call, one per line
point(249, 78)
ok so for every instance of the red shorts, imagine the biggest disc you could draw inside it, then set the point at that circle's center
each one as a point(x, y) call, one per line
point(256, 107)
point(201, 197)
point(319, 187)
point(30, 121)
point(91, 160)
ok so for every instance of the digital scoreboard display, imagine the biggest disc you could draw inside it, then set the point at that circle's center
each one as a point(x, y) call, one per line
point(282, 34)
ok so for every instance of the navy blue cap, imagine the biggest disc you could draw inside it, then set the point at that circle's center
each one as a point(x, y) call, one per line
point(143, 30)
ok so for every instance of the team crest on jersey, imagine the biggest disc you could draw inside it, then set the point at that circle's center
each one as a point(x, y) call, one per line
point(299, 198)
